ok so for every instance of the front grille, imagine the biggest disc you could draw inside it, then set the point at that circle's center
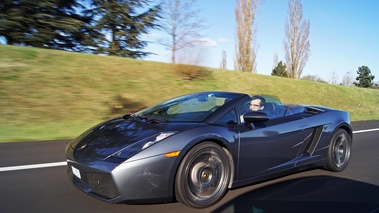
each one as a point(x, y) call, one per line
point(102, 184)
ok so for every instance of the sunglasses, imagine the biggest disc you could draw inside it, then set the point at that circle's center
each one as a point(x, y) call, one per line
point(255, 105)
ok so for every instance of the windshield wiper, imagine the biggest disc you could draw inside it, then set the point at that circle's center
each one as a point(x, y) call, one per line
point(129, 116)
point(156, 119)
point(149, 119)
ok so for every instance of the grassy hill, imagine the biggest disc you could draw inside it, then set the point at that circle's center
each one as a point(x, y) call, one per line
point(49, 94)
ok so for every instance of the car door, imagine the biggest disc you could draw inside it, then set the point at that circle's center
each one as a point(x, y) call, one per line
point(271, 146)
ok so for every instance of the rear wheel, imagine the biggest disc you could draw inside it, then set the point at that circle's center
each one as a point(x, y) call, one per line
point(203, 176)
point(339, 151)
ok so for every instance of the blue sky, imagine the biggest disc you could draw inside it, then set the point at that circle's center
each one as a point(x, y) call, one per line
point(344, 35)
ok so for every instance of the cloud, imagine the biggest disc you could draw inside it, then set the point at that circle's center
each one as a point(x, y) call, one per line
point(223, 40)
point(207, 42)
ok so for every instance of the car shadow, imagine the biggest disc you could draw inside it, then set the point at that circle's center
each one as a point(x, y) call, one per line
point(308, 194)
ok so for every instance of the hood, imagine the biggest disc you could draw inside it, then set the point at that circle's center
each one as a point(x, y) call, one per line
point(107, 138)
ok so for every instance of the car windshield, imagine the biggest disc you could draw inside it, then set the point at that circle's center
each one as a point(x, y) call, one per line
point(188, 108)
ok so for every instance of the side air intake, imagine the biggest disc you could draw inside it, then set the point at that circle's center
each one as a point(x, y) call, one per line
point(313, 110)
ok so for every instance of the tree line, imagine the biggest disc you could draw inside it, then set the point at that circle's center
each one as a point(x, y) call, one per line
point(363, 79)
point(116, 27)
point(296, 45)
point(110, 27)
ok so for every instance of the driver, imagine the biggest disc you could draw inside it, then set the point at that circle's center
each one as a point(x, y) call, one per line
point(257, 103)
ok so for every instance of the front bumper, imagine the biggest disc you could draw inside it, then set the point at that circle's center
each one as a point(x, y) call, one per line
point(148, 180)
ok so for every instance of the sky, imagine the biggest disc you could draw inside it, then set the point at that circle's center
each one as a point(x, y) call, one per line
point(344, 35)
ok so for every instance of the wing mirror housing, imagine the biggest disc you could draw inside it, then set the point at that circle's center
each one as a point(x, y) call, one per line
point(251, 117)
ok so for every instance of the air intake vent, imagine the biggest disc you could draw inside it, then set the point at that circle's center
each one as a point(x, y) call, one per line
point(102, 184)
point(313, 110)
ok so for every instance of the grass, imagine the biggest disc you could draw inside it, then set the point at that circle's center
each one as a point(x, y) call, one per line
point(49, 94)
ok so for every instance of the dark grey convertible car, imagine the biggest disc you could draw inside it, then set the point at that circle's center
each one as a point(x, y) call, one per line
point(193, 148)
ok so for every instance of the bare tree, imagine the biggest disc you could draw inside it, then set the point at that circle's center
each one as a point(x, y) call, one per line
point(195, 55)
point(246, 47)
point(223, 64)
point(296, 43)
point(334, 77)
point(275, 61)
point(181, 22)
point(348, 79)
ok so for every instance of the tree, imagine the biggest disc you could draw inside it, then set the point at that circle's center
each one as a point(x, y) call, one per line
point(223, 64)
point(334, 78)
point(45, 23)
point(347, 79)
point(120, 24)
point(182, 23)
point(275, 61)
point(13, 22)
point(296, 43)
point(364, 78)
point(246, 49)
point(280, 70)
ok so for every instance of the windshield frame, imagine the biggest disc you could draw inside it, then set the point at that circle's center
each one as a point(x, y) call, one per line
point(194, 107)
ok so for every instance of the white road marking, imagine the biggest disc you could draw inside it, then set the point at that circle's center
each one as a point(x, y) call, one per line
point(365, 130)
point(64, 163)
point(32, 166)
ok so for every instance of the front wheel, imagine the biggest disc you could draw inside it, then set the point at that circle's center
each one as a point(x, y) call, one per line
point(339, 151)
point(203, 176)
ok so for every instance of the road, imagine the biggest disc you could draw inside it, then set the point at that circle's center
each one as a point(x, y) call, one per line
point(47, 189)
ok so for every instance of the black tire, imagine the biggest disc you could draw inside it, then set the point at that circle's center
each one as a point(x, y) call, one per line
point(203, 176)
point(339, 151)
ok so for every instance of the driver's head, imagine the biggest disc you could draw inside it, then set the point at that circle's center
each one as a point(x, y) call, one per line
point(257, 103)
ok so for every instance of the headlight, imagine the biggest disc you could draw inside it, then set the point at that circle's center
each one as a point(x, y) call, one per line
point(133, 149)
point(160, 137)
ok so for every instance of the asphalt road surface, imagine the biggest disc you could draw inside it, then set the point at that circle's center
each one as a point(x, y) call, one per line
point(33, 179)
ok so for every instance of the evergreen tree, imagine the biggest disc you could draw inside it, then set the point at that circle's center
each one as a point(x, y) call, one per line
point(11, 22)
point(120, 26)
point(44, 23)
point(280, 70)
point(364, 78)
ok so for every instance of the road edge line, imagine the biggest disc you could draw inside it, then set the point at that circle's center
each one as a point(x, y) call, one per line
point(32, 166)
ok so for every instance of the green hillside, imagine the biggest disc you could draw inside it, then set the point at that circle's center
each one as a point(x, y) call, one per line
point(49, 94)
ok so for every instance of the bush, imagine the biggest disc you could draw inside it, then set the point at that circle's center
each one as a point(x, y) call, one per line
point(123, 105)
point(313, 78)
point(191, 72)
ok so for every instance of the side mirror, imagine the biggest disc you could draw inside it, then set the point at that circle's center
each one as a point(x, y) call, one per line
point(251, 117)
